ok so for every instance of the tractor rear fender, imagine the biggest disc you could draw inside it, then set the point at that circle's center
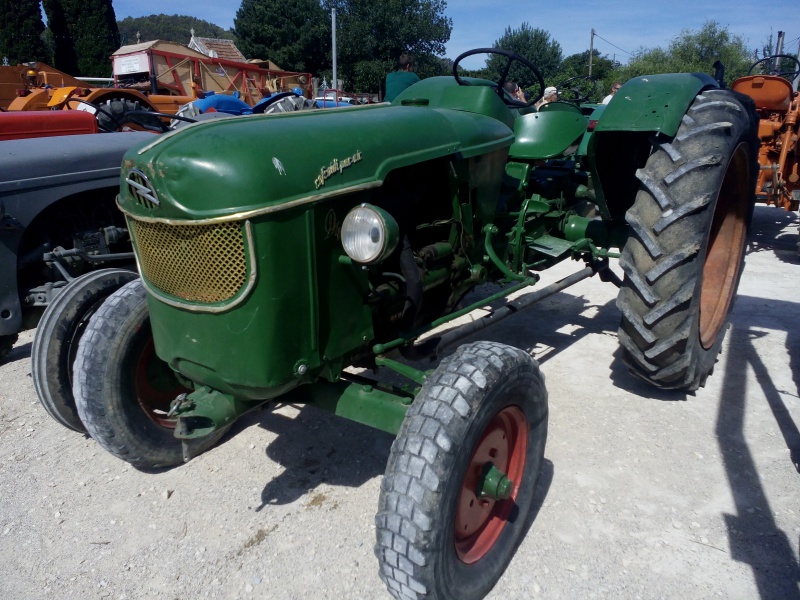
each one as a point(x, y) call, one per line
point(35, 99)
point(654, 103)
point(622, 138)
point(99, 96)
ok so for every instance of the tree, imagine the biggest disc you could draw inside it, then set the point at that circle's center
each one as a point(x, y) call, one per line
point(21, 31)
point(65, 57)
point(172, 28)
point(533, 44)
point(372, 35)
point(85, 34)
point(294, 34)
point(693, 52)
point(577, 65)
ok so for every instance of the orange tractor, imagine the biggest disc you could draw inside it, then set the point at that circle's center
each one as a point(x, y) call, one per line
point(769, 84)
point(38, 87)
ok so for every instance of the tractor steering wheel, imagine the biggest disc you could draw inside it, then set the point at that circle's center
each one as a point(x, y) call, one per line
point(791, 75)
point(577, 90)
point(504, 76)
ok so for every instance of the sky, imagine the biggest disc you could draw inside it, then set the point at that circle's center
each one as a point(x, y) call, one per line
point(621, 26)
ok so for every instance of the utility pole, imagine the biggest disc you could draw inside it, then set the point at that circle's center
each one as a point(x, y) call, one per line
point(778, 50)
point(797, 79)
point(591, 52)
point(333, 19)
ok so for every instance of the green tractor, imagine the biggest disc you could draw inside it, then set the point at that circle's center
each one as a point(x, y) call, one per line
point(277, 252)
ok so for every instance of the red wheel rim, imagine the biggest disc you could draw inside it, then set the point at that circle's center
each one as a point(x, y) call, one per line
point(725, 248)
point(156, 386)
point(480, 521)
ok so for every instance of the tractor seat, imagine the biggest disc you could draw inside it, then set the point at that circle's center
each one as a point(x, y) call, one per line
point(767, 91)
point(549, 133)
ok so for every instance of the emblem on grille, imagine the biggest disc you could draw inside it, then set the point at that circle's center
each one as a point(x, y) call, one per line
point(141, 189)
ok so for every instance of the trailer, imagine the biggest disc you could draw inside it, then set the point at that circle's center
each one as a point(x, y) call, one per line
point(165, 68)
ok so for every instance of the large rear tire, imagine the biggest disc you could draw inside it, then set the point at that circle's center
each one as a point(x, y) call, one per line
point(447, 525)
point(56, 340)
point(689, 226)
point(123, 390)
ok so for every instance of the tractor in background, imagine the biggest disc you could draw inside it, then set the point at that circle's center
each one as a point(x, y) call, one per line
point(769, 84)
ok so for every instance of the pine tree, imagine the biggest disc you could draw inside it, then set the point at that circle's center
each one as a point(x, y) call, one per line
point(65, 57)
point(85, 34)
point(21, 29)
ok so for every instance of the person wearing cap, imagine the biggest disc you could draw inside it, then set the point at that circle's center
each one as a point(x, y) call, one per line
point(614, 87)
point(550, 95)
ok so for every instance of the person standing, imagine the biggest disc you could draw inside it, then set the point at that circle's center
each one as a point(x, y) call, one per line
point(402, 78)
point(614, 87)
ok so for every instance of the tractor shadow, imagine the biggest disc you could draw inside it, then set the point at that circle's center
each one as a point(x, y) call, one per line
point(545, 329)
point(754, 537)
point(752, 319)
point(775, 230)
point(18, 352)
point(564, 320)
point(316, 447)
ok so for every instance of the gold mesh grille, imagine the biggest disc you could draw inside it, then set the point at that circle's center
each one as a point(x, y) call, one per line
point(197, 263)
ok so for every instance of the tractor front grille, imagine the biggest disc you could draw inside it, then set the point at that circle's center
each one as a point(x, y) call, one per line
point(196, 263)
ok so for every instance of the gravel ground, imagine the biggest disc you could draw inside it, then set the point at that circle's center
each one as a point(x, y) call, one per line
point(645, 494)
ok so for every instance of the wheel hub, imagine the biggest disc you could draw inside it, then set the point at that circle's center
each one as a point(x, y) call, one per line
point(495, 485)
point(491, 485)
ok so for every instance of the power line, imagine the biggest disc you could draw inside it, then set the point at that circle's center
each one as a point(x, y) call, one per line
point(615, 46)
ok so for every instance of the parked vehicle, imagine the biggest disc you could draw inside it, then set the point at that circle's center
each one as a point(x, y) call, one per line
point(769, 84)
point(21, 125)
point(57, 199)
point(156, 76)
point(16, 80)
point(268, 267)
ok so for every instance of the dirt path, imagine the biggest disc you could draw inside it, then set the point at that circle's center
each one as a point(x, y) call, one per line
point(645, 494)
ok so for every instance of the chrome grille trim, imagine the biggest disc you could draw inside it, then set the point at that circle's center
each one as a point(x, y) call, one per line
point(241, 216)
point(141, 189)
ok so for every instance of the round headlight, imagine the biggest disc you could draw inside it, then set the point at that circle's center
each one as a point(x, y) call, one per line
point(369, 234)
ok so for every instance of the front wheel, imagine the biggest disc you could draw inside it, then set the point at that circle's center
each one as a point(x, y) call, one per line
point(56, 341)
point(684, 258)
point(123, 390)
point(461, 475)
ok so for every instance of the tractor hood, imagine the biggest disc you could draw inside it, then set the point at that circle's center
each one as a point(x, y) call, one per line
point(261, 163)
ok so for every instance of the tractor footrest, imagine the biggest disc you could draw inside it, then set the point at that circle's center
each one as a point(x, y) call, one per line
point(552, 246)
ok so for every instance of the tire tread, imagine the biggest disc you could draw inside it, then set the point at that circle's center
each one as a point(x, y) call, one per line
point(424, 448)
point(669, 222)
